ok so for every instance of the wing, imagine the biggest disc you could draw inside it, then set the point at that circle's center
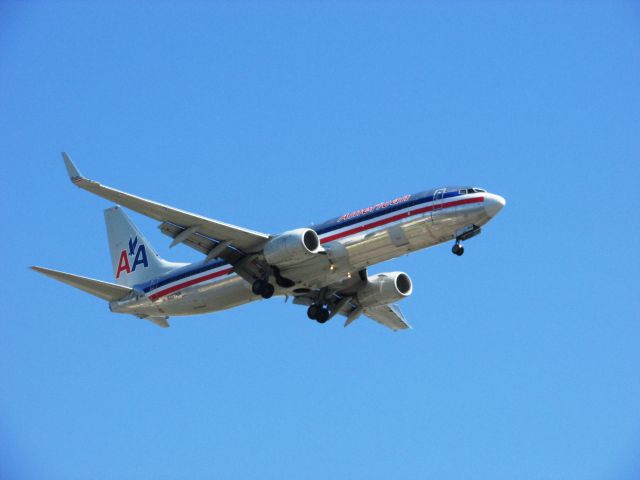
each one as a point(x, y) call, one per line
point(182, 226)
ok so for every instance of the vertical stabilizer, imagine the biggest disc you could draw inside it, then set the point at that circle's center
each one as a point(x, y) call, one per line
point(133, 258)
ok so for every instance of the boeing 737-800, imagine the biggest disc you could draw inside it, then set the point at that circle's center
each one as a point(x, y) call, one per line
point(323, 268)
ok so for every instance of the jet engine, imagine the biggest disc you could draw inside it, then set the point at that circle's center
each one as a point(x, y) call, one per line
point(384, 288)
point(291, 248)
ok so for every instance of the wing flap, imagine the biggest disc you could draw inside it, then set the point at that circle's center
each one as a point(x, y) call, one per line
point(209, 246)
point(195, 241)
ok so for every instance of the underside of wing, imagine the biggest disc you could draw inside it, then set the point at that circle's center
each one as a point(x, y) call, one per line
point(387, 315)
point(188, 223)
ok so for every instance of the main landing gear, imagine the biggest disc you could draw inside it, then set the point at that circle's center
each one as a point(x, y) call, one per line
point(263, 288)
point(261, 285)
point(318, 313)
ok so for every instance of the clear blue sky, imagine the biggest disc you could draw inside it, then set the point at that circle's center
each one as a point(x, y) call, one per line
point(524, 360)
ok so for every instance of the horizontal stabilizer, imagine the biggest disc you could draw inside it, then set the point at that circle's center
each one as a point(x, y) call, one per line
point(160, 321)
point(104, 290)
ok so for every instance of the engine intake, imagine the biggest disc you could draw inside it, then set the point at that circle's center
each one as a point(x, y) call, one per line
point(385, 288)
point(291, 248)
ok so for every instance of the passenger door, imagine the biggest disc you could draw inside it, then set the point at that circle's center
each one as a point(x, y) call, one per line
point(437, 203)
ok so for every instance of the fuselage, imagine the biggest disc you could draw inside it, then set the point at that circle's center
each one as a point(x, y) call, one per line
point(350, 242)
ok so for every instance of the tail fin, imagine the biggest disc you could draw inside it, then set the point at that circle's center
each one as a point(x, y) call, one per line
point(134, 259)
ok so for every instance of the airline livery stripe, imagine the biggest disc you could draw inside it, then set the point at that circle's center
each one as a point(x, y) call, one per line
point(189, 283)
point(337, 228)
point(399, 216)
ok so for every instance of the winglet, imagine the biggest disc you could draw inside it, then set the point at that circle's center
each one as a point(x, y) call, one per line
point(74, 174)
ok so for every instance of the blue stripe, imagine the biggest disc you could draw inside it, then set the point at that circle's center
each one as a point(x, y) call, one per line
point(185, 272)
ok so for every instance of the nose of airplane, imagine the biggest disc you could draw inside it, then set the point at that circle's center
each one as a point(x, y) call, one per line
point(493, 204)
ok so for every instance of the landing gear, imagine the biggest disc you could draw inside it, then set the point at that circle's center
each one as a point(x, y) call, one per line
point(268, 291)
point(318, 313)
point(464, 234)
point(263, 288)
point(313, 311)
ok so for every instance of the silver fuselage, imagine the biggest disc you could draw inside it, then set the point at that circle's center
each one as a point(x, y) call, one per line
point(380, 236)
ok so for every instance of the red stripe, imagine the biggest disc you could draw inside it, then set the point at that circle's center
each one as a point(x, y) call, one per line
point(188, 283)
point(410, 213)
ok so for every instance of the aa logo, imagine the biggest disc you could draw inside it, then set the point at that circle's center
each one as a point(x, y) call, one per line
point(138, 255)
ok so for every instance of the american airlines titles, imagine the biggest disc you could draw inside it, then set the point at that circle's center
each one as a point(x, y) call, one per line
point(373, 208)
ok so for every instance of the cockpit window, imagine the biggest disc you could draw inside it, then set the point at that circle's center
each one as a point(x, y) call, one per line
point(464, 191)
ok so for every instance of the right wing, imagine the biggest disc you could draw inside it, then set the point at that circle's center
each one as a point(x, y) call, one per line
point(342, 298)
point(187, 224)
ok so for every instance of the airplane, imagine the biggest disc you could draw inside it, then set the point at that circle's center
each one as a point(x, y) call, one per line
point(324, 268)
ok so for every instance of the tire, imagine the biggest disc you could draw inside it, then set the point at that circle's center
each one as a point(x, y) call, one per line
point(323, 316)
point(258, 287)
point(313, 311)
point(267, 291)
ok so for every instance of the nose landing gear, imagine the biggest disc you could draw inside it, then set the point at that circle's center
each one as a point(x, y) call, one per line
point(464, 234)
point(458, 249)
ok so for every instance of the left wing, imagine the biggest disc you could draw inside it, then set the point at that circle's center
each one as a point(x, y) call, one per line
point(184, 225)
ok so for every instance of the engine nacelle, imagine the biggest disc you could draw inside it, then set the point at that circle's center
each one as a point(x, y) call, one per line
point(292, 248)
point(385, 288)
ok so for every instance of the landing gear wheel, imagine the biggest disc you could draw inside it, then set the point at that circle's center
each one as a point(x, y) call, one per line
point(318, 313)
point(458, 249)
point(268, 290)
point(323, 316)
point(313, 311)
point(258, 287)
